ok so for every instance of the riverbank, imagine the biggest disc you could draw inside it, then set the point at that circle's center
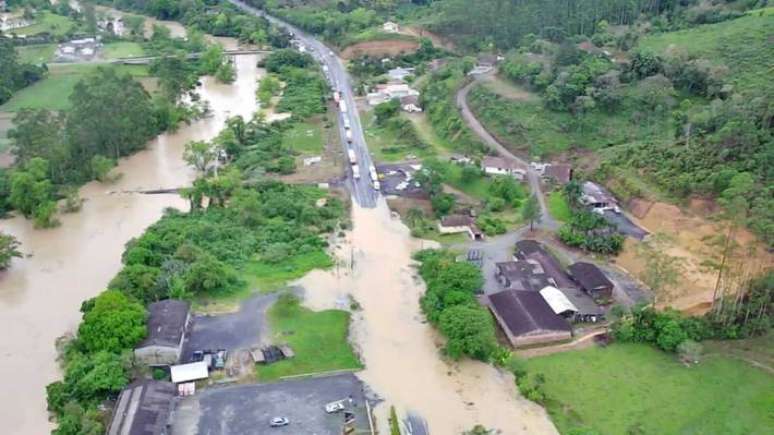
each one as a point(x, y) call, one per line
point(41, 294)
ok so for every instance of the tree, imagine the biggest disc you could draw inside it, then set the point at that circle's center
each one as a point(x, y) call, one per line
point(662, 271)
point(531, 211)
point(200, 154)
point(443, 203)
point(386, 110)
point(140, 282)
point(478, 430)
point(114, 323)
point(470, 331)
point(469, 174)
point(226, 73)
point(8, 250)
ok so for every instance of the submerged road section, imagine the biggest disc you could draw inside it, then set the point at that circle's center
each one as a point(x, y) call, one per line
point(362, 186)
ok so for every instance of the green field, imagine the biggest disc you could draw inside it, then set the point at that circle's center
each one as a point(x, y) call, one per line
point(47, 22)
point(744, 45)
point(374, 34)
point(305, 137)
point(558, 207)
point(54, 91)
point(528, 127)
point(631, 388)
point(36, 54)
point(383, 144)
point(269, 277)
point(319, 340)
point(114, 50)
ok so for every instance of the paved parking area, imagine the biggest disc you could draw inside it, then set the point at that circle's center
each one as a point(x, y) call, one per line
point(247, 409)
point(232, 331)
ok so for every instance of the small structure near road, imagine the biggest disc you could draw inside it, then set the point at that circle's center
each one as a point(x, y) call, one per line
point(190, 372)
point(598, 197)
point(458, 223)
point(271, 354)
point(559, 173)
point(167, 325)
point(399, 74)
point(410, 104)
point(386, 92)
point(77, 50)
point(500, 166)
point(523, 275)
point(591, 280)
point(143, 408)
point(527, 319)
point(390, 27)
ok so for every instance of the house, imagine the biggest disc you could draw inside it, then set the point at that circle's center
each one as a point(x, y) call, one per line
point(558, 302)
point(167, 324)
point(596, 196)
point(500, 166)
point(143, 408)
point(457, 223)
point(591, 280)
point(559, 173)
point(410, 104)
point(523, 275)
point(390, 27)
point(532, 250)
point(112, 25)
point(399, 74)
point(386, 92)
point(527, 319)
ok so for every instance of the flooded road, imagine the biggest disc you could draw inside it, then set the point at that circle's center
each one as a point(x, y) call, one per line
point(401, 353)
point(40, 295)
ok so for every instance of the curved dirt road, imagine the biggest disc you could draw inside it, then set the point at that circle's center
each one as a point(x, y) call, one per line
point(547, 222)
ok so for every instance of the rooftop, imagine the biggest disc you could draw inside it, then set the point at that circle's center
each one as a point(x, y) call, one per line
point(166, 323)
point(524, 312)
point(589, 276)
point(499, 162)
point(557, 300)
point(143, 408)
point(189, 372)
point(533, 250)
point(597, 193)
point(525, 275)
point(456, 220)
point(560, 172)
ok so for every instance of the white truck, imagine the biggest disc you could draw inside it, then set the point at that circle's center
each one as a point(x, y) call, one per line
point(374, 177)
point(356, 172)
point(349, 136)
point(352, 158)
point(337, 97)
point(343, 106)
point(346, 123)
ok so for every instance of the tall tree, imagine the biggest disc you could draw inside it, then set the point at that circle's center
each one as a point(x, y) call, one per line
point(531, 211)
point(8, 250)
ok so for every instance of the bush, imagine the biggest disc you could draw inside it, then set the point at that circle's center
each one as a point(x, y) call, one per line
point(114, 323)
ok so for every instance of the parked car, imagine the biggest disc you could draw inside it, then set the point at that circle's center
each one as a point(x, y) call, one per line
point(279, 422)
point(334, 407)
point(197, 356)
point(219, 359)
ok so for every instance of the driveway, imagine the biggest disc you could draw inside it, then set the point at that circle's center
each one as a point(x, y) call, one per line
point(232, 331)
point(547, 222)
point(247, 409)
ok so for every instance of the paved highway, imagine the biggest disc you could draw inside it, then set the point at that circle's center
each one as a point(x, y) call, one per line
point(362, 188)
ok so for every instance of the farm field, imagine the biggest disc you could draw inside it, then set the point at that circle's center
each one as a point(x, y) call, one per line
point(631, 388)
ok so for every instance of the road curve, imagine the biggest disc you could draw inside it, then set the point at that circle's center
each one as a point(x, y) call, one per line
point(361, 188)
point(547, 221)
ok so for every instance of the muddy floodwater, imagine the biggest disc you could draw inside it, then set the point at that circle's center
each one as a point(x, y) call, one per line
point(40, 294)
point(400, 351)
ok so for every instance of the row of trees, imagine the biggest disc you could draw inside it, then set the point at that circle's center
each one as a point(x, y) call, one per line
point(15, 75)
point(450, 304)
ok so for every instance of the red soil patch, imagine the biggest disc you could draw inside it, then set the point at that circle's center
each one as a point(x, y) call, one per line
point(379, 48)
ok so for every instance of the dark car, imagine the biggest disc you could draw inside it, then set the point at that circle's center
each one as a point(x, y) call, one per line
point(197, 356)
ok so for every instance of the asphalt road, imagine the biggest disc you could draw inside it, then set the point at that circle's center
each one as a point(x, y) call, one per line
point(362, 188)
point(547, 222)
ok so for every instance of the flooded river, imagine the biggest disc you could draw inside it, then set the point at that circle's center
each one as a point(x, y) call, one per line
point(401, 352)
point(40, 295)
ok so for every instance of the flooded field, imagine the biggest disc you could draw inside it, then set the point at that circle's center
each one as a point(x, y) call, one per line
point(401, 352)
point(40, 295)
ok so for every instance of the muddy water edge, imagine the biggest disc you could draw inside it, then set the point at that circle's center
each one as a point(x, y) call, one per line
point(401, 352)
point(40, 295)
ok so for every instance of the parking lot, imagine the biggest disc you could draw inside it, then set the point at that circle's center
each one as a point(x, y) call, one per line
point(248, 409)
point(397, 179)
point(232, 331)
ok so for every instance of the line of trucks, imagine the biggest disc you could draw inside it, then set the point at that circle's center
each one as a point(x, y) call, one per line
point(350, 152)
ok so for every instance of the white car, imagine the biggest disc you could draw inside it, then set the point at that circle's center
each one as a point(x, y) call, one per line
point(279, 422)
point(334, 407)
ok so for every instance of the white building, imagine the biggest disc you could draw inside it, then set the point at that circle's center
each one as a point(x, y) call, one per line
point(390, 27)
point(399, 74)
point(386, 92)
point(454, 224)
point(501, 166)
point(410, 104)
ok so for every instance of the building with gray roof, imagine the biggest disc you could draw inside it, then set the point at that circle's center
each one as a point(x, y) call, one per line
point(144, 408)
point(527, 319)
point(167, 325)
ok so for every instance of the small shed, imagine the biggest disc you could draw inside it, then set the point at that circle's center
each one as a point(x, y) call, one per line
point(560, 173)
point(500, 166)
point(189, 372)
point(591, 280)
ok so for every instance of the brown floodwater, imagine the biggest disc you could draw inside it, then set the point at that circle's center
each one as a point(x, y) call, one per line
point(40, 294)
point(401, 352)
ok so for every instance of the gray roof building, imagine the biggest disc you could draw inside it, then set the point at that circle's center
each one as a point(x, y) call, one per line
point(533, 250)
point(143, 408)
point(527, 319)
point(526, 275)
point(167, 324)
point(591, 280)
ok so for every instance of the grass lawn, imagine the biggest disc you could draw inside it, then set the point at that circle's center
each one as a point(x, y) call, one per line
point(558, 207)
point(36, 54)
point(54, 91)
point(47, 22)
point(305, 137)
point(630, 388)
point(428, 135)
point(527, 126)
point(383, 144)
point(118, 49)
point(743, 45)
point(318, 338)
point(269, 277)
